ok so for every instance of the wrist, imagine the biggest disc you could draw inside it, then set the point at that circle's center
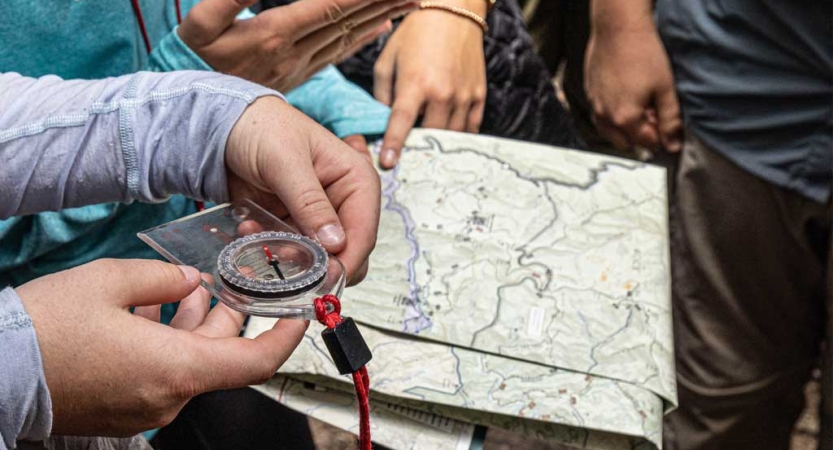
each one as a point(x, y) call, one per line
point(617, 16)
point(479, 7)
point(450, 9)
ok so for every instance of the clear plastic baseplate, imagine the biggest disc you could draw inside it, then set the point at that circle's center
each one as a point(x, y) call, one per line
point(227, 242)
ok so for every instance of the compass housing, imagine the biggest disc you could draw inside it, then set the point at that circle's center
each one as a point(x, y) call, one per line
point(245, 269)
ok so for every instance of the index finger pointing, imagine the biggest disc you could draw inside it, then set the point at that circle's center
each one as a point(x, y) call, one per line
point(403, 115)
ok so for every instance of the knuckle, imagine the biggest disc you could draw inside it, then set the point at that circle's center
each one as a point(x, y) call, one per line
point(312, 201)
point(347, 25)
point(440, 94)
point(265, 374)
point(464, 98)
point(348, 41)
point(277, 46)
point(334, 13)
point(264, 371)
point(621, 118)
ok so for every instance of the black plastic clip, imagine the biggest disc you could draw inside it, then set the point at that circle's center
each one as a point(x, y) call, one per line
point(346, 346)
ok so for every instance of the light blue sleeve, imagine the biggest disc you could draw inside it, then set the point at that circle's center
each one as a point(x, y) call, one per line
point(339, 105)
point(141, 137)
point(172, 54)
point(25, 405)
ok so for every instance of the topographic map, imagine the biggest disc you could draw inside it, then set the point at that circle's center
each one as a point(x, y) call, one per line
point(513, 285)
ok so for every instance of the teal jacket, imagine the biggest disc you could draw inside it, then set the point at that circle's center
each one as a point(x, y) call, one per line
point(89, 39)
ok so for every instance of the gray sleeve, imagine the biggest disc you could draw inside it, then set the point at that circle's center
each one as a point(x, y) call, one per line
point(25, 407)
point(141, 137)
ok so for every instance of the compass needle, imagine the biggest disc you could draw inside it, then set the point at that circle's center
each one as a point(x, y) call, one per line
point(273, 262)
point(249, 266)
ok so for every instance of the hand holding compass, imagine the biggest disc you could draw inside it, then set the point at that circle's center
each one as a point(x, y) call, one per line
point(331, 192)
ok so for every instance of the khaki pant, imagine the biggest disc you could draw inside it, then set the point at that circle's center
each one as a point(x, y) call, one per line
point(752, 278)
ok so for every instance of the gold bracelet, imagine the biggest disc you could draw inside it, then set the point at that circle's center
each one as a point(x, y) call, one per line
point(462, 12)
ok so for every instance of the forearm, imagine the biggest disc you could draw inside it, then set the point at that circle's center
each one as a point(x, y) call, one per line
point(25, 406)
point(619, 15)
point(141, 137)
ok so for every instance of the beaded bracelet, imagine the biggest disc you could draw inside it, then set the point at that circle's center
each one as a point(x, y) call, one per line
point(462, 12)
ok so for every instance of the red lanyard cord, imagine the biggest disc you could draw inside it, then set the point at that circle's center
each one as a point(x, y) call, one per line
point(360, 378)
point(137, 11)
point(178, 12)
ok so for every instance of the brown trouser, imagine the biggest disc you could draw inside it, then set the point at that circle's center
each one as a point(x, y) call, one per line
point(752, 284)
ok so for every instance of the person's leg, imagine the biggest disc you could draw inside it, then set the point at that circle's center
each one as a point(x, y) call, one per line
point(826, 410)
point(748, 286)
point(547, 21)
point(235, 419)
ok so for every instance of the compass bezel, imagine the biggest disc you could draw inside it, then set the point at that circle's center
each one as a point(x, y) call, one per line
point(234, 280)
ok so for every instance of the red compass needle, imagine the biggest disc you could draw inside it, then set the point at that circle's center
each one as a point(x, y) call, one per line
point(273, 262)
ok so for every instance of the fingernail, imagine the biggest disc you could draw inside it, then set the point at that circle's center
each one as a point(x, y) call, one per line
point(191, 274)
point(330, 235)
point(388, 158)
point(674, 145)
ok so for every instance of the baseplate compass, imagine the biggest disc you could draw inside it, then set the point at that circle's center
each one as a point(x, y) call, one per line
point(258, 264)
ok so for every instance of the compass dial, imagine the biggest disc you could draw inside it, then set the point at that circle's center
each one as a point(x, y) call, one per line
point(272, 264)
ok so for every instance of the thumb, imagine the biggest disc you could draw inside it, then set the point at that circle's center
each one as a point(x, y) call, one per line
point(209, 19)
point(306, 201)
point(140, 282)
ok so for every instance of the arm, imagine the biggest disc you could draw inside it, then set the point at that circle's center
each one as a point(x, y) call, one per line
point(26, 411)
point(339, 105)
point(140, 137)
point(433, 65)
point(279, 48)
point(200, 134)
point(628, 77)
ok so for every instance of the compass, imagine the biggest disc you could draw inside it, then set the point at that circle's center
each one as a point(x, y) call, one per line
point(272, 265)
point(258, 264)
